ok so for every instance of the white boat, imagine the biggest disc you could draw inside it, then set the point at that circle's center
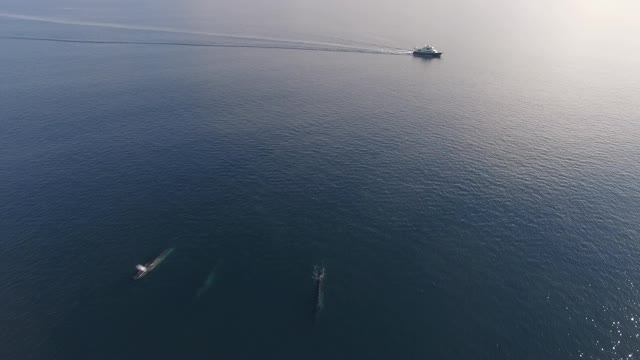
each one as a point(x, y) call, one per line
point(427, 51)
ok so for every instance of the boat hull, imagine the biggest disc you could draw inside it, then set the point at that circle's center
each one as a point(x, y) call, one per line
point(427, 55)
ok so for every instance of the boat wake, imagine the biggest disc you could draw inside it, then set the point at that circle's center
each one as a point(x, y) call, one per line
point(213, 39)
point(197, 44)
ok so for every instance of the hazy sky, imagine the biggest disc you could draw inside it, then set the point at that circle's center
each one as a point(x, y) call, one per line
point(578, 26)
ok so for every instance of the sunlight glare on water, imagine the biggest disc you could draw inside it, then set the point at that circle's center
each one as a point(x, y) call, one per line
point(483, 205)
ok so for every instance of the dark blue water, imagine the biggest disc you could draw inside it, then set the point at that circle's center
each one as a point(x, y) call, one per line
point(485, 205)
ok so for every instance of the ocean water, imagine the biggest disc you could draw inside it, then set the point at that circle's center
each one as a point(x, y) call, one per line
point(485, 205)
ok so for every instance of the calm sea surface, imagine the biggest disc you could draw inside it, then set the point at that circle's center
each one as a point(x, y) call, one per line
point(485, 205)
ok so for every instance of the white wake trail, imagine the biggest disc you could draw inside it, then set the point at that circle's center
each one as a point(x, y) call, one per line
point(163, 29)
